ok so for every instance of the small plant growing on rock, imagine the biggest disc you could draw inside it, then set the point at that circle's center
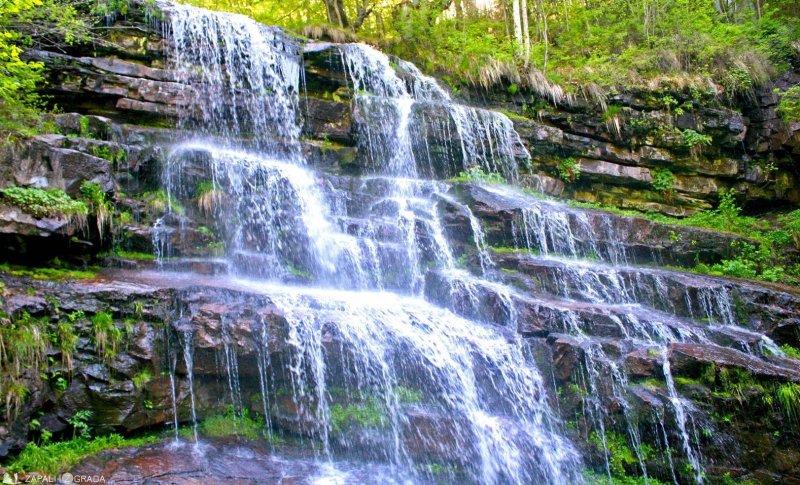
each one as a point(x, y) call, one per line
point(65, 338)
point(80, 423)
point(477, 175)
point(568, 169)
point(107, 336)
point(664, 182)
point(83, 124)
point(790, 351)
point(695, 141)
point(98, 204)
point(141, 379)
point(208, 197)
point(787, 396)
point(45, 202)
point(789, 104)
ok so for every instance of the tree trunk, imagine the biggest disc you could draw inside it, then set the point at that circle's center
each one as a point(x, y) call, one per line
point(517, 26)
point(336, 13)
point(526, 36)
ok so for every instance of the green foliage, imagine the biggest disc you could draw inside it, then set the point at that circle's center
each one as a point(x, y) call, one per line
point(233, 424)
point(134, 255)
point(408, 395)
point(105, 152)
point(789, 105)
point(663, 181)
point(790, 351)
point(141, 379)
point(295, 271)
point(368, 414)
point(593, 478)
point(619, 453)
point(477, 175)
point(208, 196)
point(98, 204)
point(43, 202)
point(787, 396)
point(54, 458)
point(568, 169)
point(80, 424)
point(18, 79)
point(23, 346)
point(692, 139)
point(768, 254)
point(32, 23)
point(159, 202)
point(54, 273)
point(107, 336)
point(65, 339)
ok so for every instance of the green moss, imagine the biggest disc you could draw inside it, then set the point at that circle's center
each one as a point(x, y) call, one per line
point(43, 202)
point(593, 478)
point(134, 255)
point(294, 271)
point(407, 395)
point(511, 250)
point(52, 274)
point(54, 458)
point(620, 454)
point(686, 381)
point(233, 424)
point(477, 175)
point(514, 116)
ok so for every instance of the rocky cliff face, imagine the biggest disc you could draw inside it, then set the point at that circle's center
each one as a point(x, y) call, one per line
point(623, 147)
point(590, 327)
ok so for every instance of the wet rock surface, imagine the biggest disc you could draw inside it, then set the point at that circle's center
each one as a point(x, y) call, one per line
point(220, 461)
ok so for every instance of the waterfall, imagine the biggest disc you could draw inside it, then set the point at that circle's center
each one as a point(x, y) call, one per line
point(408, 338)
point(477, 401)
point(244, 78)
point(401, 108)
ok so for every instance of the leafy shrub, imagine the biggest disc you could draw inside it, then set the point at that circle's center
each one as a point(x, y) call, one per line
point(789, 105)
point(44, 202)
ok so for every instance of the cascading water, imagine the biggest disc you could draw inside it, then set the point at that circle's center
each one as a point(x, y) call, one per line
point(244, 76)
point(372, 369)
point(282, 222)
point(402, 109)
